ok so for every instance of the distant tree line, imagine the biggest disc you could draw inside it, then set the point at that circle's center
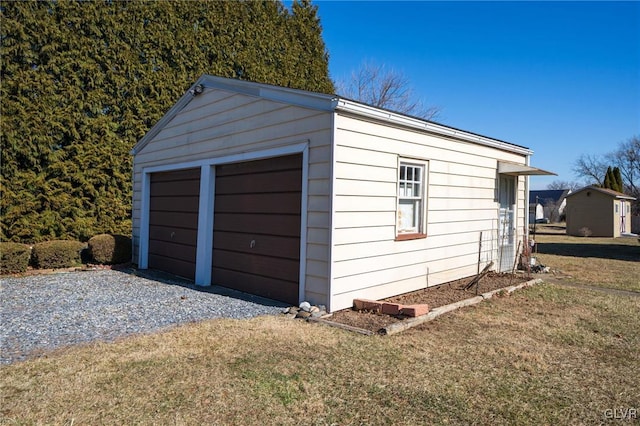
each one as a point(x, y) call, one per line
point(83, 81)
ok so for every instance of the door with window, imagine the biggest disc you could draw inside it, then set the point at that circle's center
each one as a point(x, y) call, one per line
point(506, 222)
point(623, 217)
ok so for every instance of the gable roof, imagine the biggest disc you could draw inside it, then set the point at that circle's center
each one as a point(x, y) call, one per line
point(606, 191)
point(323, 102)
point(548, 195)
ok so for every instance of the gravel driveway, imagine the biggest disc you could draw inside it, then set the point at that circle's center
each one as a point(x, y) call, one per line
point(43, 312)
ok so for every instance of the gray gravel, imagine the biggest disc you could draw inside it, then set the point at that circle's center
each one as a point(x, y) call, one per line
point(44, 312)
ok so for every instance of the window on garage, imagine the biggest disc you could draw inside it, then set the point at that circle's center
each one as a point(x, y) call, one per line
point(411, 207)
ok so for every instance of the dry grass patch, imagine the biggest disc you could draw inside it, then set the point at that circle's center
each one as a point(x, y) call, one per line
point(605, 262)
point(545, 355)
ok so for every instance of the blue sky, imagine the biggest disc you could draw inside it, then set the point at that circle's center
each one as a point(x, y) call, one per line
point(562, 78)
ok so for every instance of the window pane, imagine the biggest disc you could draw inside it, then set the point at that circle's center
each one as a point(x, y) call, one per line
point(402, 172)
point(407, 215)
point(417, 174)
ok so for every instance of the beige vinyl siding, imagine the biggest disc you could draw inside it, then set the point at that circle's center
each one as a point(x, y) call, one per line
point(595, 211)
point(218, 123)
point(461, 202)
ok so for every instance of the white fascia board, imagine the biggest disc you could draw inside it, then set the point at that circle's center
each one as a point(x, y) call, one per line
point(303, 98)
point(416, 123)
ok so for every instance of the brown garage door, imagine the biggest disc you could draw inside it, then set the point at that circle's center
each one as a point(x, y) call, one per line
point(173, 221)
point(257, 227)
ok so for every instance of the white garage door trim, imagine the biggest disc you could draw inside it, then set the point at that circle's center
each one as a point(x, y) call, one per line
point(207, 202)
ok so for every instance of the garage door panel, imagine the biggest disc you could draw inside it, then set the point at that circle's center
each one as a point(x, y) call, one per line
point(257, 227)
point(285, 203)
point(173, 221)
point(180, 188)
point(260, 166)
point(170, 249)
point(286, 181)
point(181, 220)
point(175, 204)
point(268, 245)
point(262, 286)
point(176, 175)
point(268, 266)
point(172, 265)
point(178, 236)
point(286, 225)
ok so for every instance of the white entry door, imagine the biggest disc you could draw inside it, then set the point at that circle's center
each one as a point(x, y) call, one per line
point(623, 217)
point(506, 223)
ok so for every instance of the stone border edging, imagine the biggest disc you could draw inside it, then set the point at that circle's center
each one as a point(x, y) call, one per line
point(436, 312)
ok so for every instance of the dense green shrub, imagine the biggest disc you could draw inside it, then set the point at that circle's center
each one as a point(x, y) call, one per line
point(110, 249)
point(57, 254)
point(83, 81)
point(14, 257)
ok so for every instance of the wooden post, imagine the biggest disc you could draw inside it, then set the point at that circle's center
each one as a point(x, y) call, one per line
point(479, 252)
point(515, 262)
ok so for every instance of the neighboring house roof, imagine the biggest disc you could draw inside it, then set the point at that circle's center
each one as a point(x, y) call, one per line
point(549, 195)
point(610, 192)
point(323, 102)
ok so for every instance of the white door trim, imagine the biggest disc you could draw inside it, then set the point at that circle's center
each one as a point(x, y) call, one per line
point(204, 245)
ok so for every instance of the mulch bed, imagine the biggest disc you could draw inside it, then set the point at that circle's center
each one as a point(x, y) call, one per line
point(441, 295)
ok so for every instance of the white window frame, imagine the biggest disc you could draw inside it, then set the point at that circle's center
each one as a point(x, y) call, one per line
point(419, 199)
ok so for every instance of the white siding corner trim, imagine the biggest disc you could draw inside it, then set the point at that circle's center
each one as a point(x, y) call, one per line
point(207, 202)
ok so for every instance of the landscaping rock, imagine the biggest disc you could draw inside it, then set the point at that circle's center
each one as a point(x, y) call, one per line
point(305, 306)
point(305, 311)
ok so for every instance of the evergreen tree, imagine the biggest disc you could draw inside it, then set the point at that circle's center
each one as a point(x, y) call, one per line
point(608, 179)
point(617, 177)
point(83, 81)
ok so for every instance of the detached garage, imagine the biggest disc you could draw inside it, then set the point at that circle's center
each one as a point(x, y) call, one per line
point(294, 196)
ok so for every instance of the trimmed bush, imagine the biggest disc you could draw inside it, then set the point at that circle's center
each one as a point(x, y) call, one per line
point(14, 257)
point(57, 254)
point(110, 249)
point(585, 232)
